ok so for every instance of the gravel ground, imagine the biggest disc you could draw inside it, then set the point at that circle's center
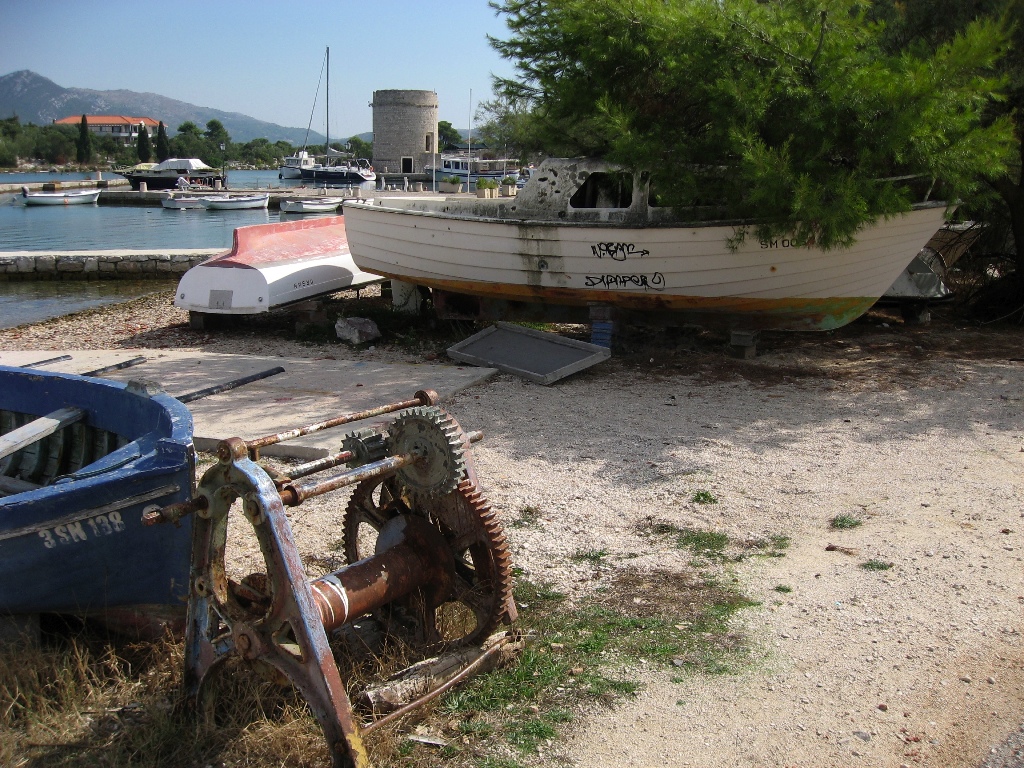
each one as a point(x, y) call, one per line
point(917, 432)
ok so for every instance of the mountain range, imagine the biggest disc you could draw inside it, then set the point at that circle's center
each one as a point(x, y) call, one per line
point(36, 99)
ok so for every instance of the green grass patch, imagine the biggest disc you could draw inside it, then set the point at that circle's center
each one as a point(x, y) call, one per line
point(704, 497)
point(529, 517)
point(589, 556)
point(844, 522)
point(783, 589)
point(876, 565)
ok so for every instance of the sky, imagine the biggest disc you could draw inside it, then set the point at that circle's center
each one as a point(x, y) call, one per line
point(263, 58)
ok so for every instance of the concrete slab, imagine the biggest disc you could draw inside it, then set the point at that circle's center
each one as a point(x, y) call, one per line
point(308, 391)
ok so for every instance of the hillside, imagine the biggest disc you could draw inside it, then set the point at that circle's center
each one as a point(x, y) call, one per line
point(35, 99)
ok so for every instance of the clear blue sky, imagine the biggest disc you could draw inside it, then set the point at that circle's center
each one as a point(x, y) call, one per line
point(262, 57)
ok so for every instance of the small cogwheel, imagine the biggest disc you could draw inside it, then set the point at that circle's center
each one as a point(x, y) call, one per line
point(366, 445)
point(438, 443)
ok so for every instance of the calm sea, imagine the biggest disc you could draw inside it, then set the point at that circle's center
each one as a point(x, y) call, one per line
point(105, 227)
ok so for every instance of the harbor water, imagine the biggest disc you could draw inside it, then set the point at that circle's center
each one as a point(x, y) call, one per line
point(61, 228)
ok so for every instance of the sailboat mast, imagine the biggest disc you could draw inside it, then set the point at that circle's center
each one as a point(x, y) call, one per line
point(327, 119)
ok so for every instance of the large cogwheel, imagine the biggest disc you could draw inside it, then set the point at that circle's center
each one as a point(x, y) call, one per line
point(482, 595)
point(436, 439)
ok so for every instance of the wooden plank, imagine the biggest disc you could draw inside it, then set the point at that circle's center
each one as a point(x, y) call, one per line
point(12, 485)
point(36, 430)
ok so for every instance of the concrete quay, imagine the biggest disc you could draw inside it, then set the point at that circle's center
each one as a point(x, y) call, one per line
point(52, 186)
point(128, 264)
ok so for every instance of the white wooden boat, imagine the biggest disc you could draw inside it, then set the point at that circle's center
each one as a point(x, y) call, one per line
point(233, 202)
point(271, 265)
point(181, 202)
point(465, 168)
point(311, 205)
point(61, 197)
point(573, 238)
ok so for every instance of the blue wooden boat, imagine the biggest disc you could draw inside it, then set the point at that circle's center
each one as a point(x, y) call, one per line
point(95, 455)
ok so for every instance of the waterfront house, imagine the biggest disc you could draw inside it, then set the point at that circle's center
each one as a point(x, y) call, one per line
point(123, 128)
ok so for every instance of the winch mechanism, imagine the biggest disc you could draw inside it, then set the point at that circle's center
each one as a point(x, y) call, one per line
point(419, 540)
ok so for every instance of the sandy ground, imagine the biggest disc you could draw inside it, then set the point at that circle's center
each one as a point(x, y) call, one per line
point(918, 432)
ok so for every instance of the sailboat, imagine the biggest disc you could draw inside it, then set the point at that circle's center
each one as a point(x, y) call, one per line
point(292, 167)
point(354, 170)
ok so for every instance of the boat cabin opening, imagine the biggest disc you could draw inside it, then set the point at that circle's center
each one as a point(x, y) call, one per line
point(604, 190)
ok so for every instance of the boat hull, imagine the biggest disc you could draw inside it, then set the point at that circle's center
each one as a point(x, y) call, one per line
point(228, 203)
point(78, 545)
point(340, 175)
point(271, 265)
point(182, 203)
point(70, 197)
point(324, 205)
point(687, 270)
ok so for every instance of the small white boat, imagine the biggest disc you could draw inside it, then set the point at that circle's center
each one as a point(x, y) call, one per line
point(181, 202)
point(312, 205)
point(465, 168)
point(61, 197)
point(582, 233)
point(271, 265)
point(233, 202)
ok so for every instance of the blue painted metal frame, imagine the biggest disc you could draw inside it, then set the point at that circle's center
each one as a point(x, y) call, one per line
point(79, 545)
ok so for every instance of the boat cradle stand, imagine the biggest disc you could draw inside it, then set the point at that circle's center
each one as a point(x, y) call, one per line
point(437, 544)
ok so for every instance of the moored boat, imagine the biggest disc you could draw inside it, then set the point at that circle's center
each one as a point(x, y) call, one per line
point(311, 205)
point(60, 197)
point(271, 265)
point(80, 460)
point(181, 202)
point(291, 167)
point(234, 202)
point(582, 233)
point(466, 168)
point(165, 175)
point(354, 171)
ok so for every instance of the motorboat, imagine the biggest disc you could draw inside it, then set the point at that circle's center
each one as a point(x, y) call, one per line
point(60, 197)
point(272, 265)
point(165, 175)
point(584, 233)
point(465, 168)
point(352, 171)
point(233, 202)
point(181, 202)
point(81, 460)
point(311, 204)
point(291, 167)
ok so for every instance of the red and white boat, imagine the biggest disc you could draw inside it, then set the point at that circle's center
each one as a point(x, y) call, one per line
point(272, 265)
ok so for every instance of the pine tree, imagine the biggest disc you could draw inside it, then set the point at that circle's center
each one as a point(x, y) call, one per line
point(144, 147)
point(84, 144)
point(792, 114)
point(163, 144)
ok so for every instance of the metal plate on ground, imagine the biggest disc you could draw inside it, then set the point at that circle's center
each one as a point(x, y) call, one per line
point(535, 355)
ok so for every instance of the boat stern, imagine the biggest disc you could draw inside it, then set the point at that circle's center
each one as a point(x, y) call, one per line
point(223, 290)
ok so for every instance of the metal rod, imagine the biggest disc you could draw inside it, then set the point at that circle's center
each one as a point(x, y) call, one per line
point(424, 397)
point(293, 495)
point(114, 367)
point(60, 359)
point(469, 670)
point(191, 396)
point(312, 467)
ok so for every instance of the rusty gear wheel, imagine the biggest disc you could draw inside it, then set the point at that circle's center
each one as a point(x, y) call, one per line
point(482, 595)
point(366, 445)
point(436, 439)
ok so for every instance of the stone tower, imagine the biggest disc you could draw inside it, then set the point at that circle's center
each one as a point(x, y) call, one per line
point(404, 130)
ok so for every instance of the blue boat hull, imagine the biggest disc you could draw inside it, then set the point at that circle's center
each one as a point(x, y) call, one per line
point(77, 545)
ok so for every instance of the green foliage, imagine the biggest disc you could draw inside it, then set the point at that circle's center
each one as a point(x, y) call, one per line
point(451, 180)
point(486, 184)
point(83, 146)
point(844, 522)
point(163, 144)
point(794, 115)
point(876, 565)
point(509, 181)
point(144, 148)
point(360, 148)
point(447, 136)
point(704, 497)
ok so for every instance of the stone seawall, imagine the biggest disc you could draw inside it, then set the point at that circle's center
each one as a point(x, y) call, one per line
point(101, 265)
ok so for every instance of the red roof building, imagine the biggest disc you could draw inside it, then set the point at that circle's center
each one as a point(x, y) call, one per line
point(123, 128)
